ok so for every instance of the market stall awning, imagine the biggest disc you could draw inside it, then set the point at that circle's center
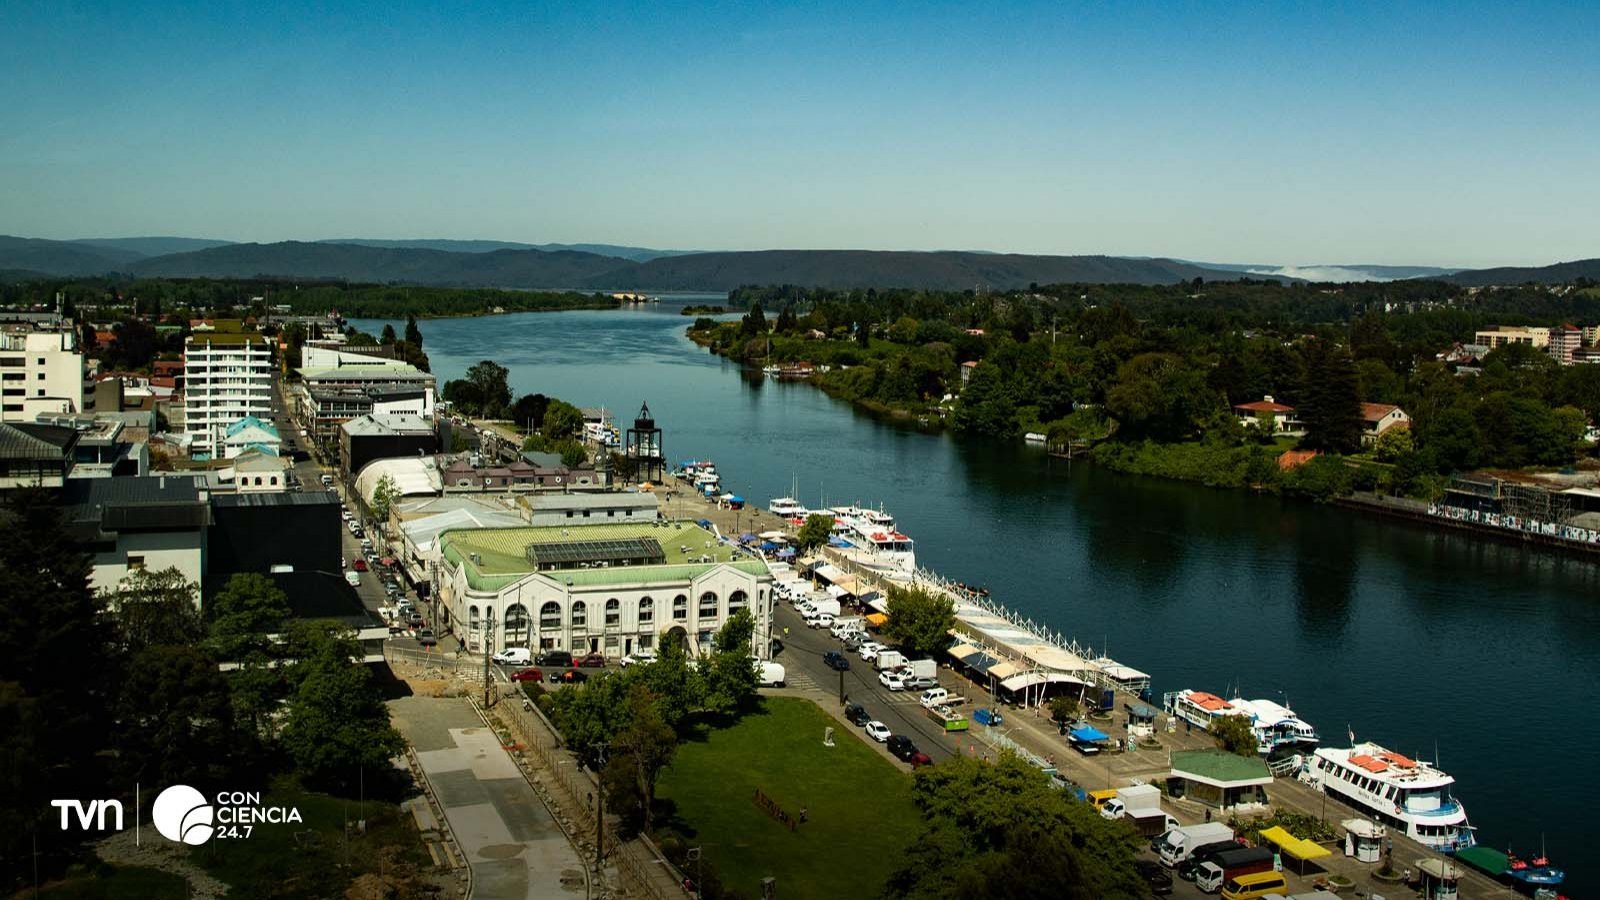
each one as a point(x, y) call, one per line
point(828, 571)
point(879, 603)
point(848, 583)
point(1292, 846)
point(982, 662)
point(877, 620)
point(961, 651)
point(1088, 734)
point(1035, 678)
point(1002, 670)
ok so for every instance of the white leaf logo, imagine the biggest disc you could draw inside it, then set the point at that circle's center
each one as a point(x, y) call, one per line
point(182, 814)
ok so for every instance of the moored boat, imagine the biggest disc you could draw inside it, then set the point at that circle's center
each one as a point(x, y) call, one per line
point(787, 508)
point(1413, 798)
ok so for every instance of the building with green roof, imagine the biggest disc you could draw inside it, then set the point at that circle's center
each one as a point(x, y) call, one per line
point(610, 588)
point(1220, 779)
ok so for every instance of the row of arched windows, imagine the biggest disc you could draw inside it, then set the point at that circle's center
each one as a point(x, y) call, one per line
point(516, 616)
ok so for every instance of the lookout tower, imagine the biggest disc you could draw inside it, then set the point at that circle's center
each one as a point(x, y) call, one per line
point(644, 447)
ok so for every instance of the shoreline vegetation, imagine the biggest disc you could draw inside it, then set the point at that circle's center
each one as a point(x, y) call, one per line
point(702, 310)
point(1144, 379)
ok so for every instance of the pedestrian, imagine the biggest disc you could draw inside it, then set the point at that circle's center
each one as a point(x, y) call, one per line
point(1208, 815)
point(803, 812)
point(1407, 876)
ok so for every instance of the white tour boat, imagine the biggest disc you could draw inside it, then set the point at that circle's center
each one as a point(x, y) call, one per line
point(1411, 797)
point(874, 530)
point(787, 508)
point(1276, 726)
point(1199, 708)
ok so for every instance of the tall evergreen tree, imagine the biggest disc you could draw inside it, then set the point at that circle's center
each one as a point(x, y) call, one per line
point(413, 333)
point(1331, 408)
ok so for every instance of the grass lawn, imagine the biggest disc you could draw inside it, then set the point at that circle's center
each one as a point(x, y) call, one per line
point(859, 809)
point(116, 883)
point(272, 862)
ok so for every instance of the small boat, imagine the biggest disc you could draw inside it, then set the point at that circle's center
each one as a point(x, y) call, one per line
point(1510, 868)
point(1034, 437)
point(787, 508)
point(771, 370)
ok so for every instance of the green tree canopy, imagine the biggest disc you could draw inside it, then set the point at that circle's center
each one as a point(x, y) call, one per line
point(730, 679)
point(1235, 735)
point(336, 724)
point(638, 752)
point(175, 718)
point(156, 607)
point(815, 532)
point(920, 620)
point(413, 333)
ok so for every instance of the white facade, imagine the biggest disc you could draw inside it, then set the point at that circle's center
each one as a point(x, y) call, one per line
point(226, 377)
point(1502, 335)
point(318, 356)
point(40, 372)
point(152, 550)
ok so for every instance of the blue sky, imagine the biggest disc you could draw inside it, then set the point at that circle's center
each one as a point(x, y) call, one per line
point(1450, 134)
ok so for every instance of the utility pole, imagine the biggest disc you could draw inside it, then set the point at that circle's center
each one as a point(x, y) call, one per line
point(599, 815)
point(841, 687)
point(488, 644)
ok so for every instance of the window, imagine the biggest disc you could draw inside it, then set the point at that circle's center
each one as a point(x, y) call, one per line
point(516, 625)
point(647, 610)
point(40, 361)
point(16, 392)
point(15, 376)
point(135, 562)
point(645, 640)
point(613, 612)
point(708, 605)
point(550, 615)
point(39, 377)
point(680, 608)
point(473, 622)
point(736, 601)
point(586, 514)
point(569, 513)
point(580, 614)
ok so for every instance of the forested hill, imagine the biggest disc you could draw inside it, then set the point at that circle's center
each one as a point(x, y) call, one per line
point(61, 257)
point(295, 259)
point(1560, 273)
point(843, 269)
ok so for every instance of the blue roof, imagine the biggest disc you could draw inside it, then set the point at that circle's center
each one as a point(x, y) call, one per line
point(251, 422)
point(1088, 734)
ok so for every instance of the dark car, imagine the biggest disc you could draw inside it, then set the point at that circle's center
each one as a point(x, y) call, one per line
point(901, 747)
point(573, 676)
point(553, 658)
point(833, 659)
point(1155, 875)
point(528, 674)
point(856, 714)
point(592, 661)
point(1189, 869)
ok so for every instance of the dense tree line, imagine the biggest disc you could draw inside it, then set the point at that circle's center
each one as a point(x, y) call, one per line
point(1152, 372)
point(99, 691)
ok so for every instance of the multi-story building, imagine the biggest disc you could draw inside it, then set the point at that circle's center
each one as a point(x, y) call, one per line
point(227, 376)
point(1564, 339)
point(326, 398)
point(366, 438)
point(609, 589)
point(1502, 335)
point(41, 371)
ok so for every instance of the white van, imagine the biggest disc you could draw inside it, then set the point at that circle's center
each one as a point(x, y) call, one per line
point(768, 674)
point(934, 697)
point(514, 656)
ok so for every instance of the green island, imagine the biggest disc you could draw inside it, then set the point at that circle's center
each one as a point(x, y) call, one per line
point(702, 310)
point(1175, 380)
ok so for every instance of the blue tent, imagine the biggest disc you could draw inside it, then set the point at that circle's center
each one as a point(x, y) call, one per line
point(704, 523)
point(1088, 734)
point(769, 546)
point(787, 551)
point(747, 538)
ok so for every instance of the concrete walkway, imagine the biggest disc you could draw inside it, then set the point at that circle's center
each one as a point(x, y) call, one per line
point(516, 850)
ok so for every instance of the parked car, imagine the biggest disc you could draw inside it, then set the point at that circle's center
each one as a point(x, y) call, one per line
point(360, 565)
point(415, 620)
point(901, 747)
point(870, 650)
point(528, 674)
point(592, 661)
point(878, 731)
point(856, 714)
point(920, 759)
point(1155, 875)
point(513, 656)
point(833, 659)
point(353, 578)
point(892, 680)
point(425, 638)
point(346, 515)
point(553, 658)
point(641, 656)
point(567, 676)
point(918, 683)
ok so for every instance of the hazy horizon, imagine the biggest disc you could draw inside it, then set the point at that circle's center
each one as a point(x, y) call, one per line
point(1447, 135)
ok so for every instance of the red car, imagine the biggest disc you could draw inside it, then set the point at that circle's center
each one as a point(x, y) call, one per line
point(592, 661)
point(360, 566)
point(920, 759)
point(528, 674)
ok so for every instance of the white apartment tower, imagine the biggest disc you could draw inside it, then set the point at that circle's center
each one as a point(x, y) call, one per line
point(227, 376)
point(40, 372)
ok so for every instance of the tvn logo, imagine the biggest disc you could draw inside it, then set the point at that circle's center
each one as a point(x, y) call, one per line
point(182, 814)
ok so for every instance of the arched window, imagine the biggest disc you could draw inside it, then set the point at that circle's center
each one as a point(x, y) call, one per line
point(580, 614)
point(708, 605)
point(473, 621)
point(680, 608)
point(613, 612)
point(647, 610)
point(516, 625)
point(736, 601)
point(550, 616)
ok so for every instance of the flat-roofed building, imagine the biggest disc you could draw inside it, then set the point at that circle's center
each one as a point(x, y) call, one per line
point(1504, 335)
point(227, 376)
point(609, 589)
point(371, 437)
point(589, 508)
point(41, 371)
point(35, 455)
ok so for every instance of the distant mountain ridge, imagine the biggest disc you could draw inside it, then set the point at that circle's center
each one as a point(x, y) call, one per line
point(447, 262)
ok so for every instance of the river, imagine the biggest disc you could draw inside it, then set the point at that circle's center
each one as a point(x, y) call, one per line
point(1480, 655)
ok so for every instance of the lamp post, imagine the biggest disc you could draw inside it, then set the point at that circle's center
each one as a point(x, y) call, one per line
point(488, 645)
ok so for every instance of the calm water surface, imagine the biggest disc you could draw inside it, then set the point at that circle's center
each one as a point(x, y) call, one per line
point(1412, 638)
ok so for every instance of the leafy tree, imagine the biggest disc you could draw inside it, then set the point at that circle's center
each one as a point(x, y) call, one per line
point(1235, 735)
point(816, 530)
point(1157, 395)
point(676, 683)
point(986, 406)
point(1452, 439)
point(562, 420)
point(492, 383)
point(754, 322)
point(729, 677)
point(591, 714)
point(1063, 708)
point(387, 338)
point(245, 615)
point(529, 411)
point(573, 455)
point(1393, 444)
point(413, 333)
point(920, 620)
point(637, 754)
point(384, 495)
point(336, 723)
point(175, 718)
point(1001, 830)
point(153, 608)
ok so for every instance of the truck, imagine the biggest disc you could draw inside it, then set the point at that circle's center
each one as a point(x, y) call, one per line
point(1182, 841)
point(1150, 822)
point(847, 625)
point(827, 605)
point(1098, 799)
point(888, 659)
point(948, 719)
point(1133, 797)
point(769, 674)
point(1215, 872)
point(921, 668)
